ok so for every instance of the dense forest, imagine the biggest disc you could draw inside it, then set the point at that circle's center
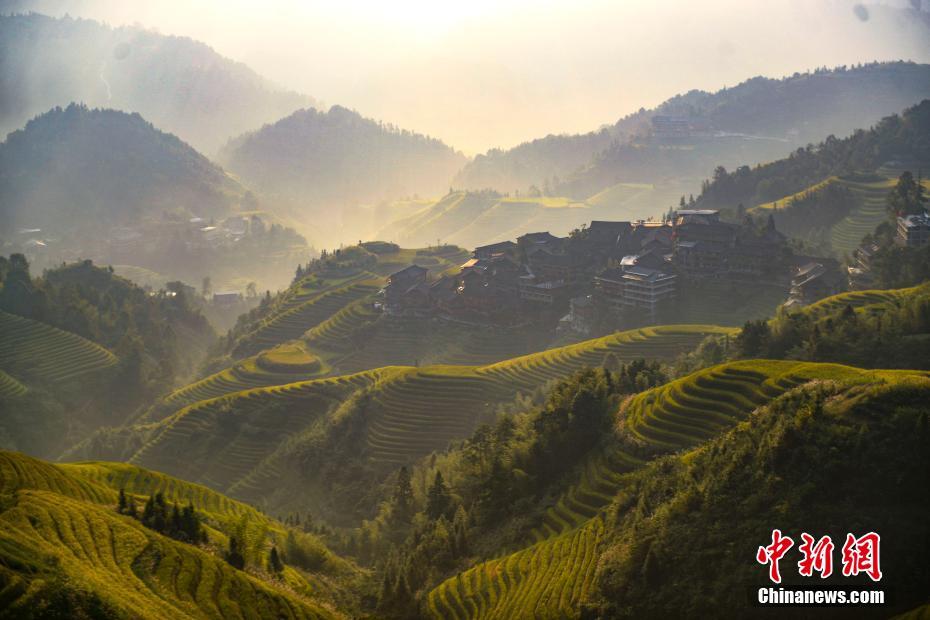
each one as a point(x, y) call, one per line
point(181, 85)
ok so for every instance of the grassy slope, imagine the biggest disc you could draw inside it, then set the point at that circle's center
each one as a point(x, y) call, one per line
point(668, 418)
point(808, 462)
point(230, 442)
point(60, 530)
point(37, 350)
point(861, 299)
point(868, 213)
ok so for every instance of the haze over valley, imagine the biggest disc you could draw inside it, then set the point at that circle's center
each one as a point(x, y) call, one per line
point(494, 310)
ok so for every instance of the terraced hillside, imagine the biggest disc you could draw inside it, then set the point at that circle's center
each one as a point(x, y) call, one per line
point(662, 342)
point(224, 439)
point(60, 536)
point(551, 576)
point(869, 209)
point(244, 375)
point(301, 312)
point(547, 580)
point(36, 350)
point(359, 337)
point(10, 387)
point(859, 299)
point(868, 213)
point(353, 274)
point(232, 443)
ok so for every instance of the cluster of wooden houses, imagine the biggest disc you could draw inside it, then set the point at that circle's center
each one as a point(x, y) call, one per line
point(609, 270)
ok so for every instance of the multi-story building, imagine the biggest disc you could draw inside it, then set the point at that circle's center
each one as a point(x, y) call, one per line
point(913, 231)
point(635, 288)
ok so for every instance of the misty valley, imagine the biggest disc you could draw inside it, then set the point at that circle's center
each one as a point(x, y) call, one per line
point(263, 356)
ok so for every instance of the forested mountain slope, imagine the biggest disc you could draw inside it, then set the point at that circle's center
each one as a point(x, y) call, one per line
point(76, 169)
point(337, 158)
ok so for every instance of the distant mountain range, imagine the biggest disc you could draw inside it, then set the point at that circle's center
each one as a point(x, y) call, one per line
point(74, 169)
point(339, 158)
point(758, 120)
point(181, 85)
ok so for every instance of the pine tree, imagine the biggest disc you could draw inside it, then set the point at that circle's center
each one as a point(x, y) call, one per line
point(234, 555)
point(402, 504)
point(274, 562)
point(148, 512)
point(438, 498)
point(460, 532)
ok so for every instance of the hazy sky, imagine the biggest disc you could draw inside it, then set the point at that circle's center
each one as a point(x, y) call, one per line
point(482, 73)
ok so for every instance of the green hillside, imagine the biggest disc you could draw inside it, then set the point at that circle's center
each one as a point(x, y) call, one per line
point(67, 552)
point(39, 351)
point(807, 461)
point(867, 193)
point(858, 299)
point(314, 159)
point(245, 442)
point(553, 577)
point(327, 286)
point(831, 195)
point(300, 313)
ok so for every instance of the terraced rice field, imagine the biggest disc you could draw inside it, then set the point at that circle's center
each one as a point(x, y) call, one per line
point(10, 387)
point(144, 482)
point(61, 525)
point(858, 299)
point(546, 580)
point(685, 412)
point(244, 375)
point(33, 349)
point(425, 409)
point(224, 439)
point(599, 482)
point(660, 343)
point(847, 234)
point(411, 411)
point(361, 340)
point(551, 576)
point(294, 319)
